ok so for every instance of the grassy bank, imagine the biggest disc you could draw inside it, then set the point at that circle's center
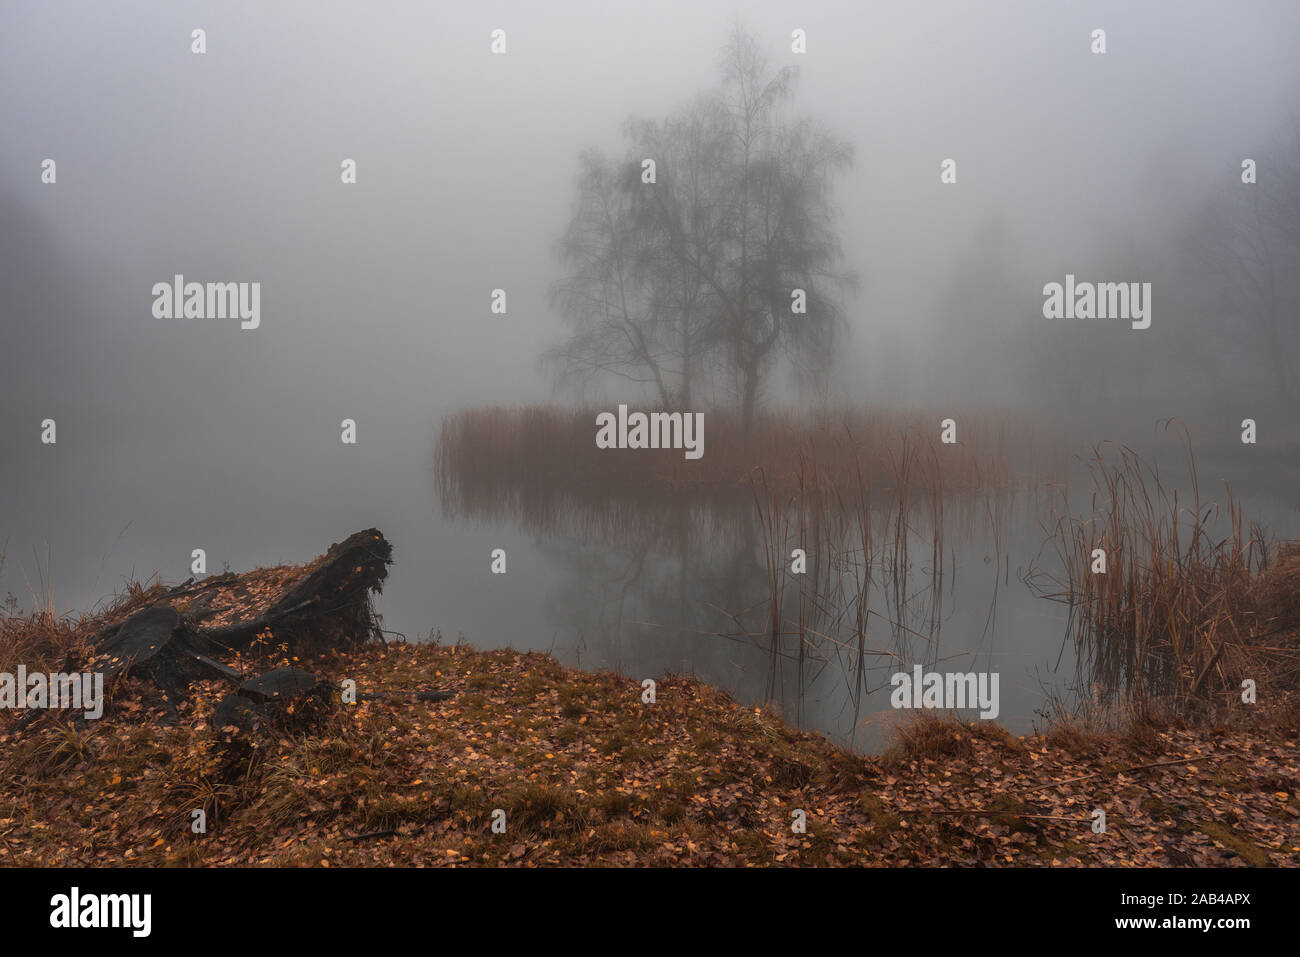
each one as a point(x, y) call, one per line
point(588, 774)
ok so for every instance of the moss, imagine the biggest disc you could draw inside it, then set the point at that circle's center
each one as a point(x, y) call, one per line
point(1233, 776)
point(756, 847)
point(532, 685)
point(790, 770)
point(680, 784)
point(568, 733)
point(1009, 811)
point(541, 807)
point(473, 703)
point(883, 822)
point(622, 836)
point(1252, 854)
point(672, 811)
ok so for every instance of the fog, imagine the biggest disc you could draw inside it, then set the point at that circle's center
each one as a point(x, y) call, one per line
point(177, 434)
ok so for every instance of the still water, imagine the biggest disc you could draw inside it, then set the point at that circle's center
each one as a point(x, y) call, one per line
point(647, 588)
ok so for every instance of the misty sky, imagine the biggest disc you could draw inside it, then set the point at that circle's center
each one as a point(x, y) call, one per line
point(375, 297)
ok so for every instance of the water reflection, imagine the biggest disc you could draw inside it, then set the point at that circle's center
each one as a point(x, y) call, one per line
point(709, 584)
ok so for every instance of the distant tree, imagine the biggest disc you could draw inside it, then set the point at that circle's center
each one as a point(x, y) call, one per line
point(1248, 257)
point(695, 273)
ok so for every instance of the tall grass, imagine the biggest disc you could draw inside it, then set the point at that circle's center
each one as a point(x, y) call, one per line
point(541, 462)
point(865, 494)
point(1176, 614)
point(41, 640)
point(867, 596)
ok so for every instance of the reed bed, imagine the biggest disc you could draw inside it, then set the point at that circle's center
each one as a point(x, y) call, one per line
point(866, 495)
point(1181, 612)
point(871, 594)
point(541, 461)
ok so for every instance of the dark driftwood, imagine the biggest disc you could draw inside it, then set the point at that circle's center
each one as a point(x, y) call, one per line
point(280, 684)
point(336, 593)
point(328, 604)
point(274, 696)
point(325, 603)
point(161, 643)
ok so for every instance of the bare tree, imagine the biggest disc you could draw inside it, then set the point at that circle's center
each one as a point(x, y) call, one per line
point(695, 274)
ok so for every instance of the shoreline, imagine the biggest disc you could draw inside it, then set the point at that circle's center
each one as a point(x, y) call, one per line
point(586, 773)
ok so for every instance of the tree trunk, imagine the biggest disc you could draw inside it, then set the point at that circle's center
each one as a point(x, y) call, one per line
point(686, 364)
point(749, 402)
